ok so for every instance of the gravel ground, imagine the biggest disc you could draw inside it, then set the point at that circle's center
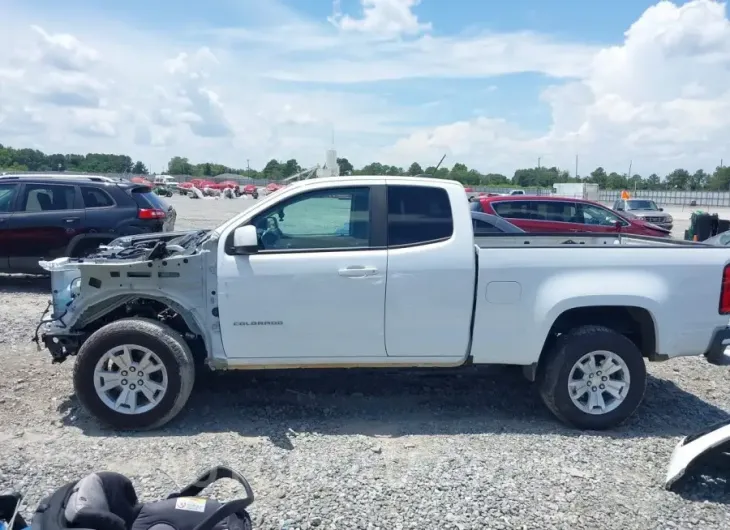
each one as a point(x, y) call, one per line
point(368, 449)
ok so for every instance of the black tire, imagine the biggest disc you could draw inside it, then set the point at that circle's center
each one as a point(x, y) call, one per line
point(555, 370)
point(169, 346)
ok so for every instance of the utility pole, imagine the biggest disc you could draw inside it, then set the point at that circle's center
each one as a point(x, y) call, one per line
point(576, 167)
point(248, 169)
point(629, 175)
point(538, 162)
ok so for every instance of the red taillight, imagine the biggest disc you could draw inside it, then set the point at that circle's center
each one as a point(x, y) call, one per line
point(725, 291)
point(151, 213)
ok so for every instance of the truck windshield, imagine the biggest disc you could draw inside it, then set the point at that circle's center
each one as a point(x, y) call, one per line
point(635, 204)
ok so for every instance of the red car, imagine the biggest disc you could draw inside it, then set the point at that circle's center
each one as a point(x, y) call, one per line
point(563, 214)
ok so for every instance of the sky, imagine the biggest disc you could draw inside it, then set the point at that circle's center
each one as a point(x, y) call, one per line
point(494, 85)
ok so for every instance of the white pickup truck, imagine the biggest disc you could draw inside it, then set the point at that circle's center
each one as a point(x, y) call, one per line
point(381, 272)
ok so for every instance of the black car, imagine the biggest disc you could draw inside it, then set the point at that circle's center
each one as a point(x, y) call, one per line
point(44, 217)
point(486, 224)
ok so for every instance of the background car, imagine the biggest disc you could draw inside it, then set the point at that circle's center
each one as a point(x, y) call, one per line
point(646, 210)
point(252, 190)
point(49, 216)
point(486, 224)
point(562, 214)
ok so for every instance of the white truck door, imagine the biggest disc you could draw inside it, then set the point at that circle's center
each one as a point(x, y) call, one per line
point(429, 299)
point(316, 287)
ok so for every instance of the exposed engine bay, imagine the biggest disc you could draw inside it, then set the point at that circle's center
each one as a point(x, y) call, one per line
point(157, 276)
point(142, 246)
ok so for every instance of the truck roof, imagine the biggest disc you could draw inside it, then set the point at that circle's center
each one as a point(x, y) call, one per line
point(377, 179)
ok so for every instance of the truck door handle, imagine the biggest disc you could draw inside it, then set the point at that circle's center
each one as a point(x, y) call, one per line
point(71, 219)
point(357, 271)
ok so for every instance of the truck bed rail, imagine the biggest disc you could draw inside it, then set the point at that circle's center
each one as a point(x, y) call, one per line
point(583, 238)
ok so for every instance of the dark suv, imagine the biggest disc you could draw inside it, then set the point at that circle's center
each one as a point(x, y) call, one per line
point(49, 216)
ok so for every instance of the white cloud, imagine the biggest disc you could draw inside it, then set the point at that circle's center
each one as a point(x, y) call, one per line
point(63, 51)
point(69, 90)
point(87, 83)
point(661, 99)
point(384, 18)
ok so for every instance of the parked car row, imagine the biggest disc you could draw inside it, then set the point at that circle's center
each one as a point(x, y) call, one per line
point(247, 189)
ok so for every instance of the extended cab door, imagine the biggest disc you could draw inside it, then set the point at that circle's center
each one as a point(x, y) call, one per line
point(8, 192)
point(315, 289)
point(431, 272)
point(48, 216)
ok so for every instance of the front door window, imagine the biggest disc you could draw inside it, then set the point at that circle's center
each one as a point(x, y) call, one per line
point(320, 220)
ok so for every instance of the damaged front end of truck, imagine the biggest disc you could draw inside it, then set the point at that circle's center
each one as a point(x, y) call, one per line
point(161, 277)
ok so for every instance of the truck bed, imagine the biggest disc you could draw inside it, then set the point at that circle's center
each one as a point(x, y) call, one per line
point(520, 295)
point(586, 239)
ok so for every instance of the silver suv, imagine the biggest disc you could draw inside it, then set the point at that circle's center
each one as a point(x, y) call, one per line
point(646, 210)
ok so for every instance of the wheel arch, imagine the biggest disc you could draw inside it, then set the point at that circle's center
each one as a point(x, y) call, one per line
point(129, 305)
point(635, 322)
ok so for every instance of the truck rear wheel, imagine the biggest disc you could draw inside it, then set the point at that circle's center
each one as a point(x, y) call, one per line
point(593, 378)
point(134, 374)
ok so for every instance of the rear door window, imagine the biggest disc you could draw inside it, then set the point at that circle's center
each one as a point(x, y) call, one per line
point(48, 197)
point(512, 209)
point(7, 194)
point(418, 215)
point(553, 211)
point(95, 197)
point(556, 211)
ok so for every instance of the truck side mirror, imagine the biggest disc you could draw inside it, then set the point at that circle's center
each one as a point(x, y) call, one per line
point(661, 209)
point(245, 240)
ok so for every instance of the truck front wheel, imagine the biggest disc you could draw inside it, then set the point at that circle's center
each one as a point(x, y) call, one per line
point(134, 374)
point(593, 378)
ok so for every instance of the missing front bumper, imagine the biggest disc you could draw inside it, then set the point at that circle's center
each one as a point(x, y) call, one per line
point(61, 347)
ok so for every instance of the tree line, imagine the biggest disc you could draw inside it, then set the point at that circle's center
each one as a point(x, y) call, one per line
point(35, 160)
point(537, 177)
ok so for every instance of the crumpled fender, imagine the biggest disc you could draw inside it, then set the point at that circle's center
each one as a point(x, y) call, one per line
point(710, 444)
